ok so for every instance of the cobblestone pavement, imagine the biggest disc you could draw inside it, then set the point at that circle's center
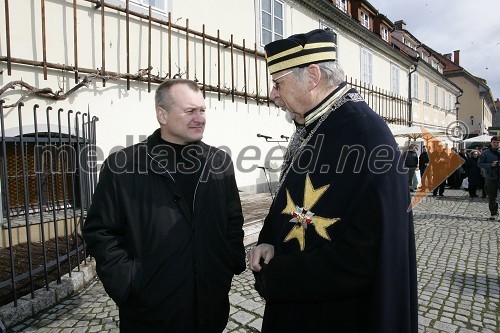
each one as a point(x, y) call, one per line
point(458, 277)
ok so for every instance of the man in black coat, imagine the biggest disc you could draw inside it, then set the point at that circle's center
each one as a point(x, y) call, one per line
point(337, 249)
point(489, 162)
point(423, 162)
point(411, 163)
point(165, 224)
point(440, 167)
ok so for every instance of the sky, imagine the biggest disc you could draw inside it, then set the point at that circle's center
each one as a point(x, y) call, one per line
point(473, 27)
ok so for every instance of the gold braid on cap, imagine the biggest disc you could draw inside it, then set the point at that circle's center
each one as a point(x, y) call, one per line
point(298, 55)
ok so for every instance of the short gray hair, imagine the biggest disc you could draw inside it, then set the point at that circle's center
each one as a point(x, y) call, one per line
point(331, 70)
point(162, 94)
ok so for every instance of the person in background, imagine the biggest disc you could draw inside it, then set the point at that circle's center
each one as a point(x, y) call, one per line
point(482, 184)
point(463, 154)
point(411, 163)
point(439, 165)
point(473, 173)
point(165, 224)
point(454, 180)
point(325, 259)
point(488, 162)
point(423, 162)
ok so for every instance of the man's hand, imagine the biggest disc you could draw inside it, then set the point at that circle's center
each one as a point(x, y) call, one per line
point(264, 251)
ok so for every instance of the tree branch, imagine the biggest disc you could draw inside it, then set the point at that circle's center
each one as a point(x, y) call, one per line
point(28, 90)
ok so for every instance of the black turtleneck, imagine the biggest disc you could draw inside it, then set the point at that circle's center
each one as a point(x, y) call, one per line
point(184, 163)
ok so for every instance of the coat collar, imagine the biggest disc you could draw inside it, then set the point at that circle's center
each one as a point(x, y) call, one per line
point(314, 114)
point(147, 159)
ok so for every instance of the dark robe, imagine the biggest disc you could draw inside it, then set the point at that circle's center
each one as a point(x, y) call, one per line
point(473, 172)
point(351, 266)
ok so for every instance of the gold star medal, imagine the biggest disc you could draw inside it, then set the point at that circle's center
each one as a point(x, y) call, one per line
point(302, 217)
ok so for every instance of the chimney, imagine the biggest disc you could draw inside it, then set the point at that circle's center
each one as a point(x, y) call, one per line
point(400, 25)
point(447, 56)
point(456, 57)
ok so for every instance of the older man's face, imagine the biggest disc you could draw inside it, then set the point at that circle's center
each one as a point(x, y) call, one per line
point(290, 94)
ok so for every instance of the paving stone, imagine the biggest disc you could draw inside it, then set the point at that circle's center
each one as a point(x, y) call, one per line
point(260, 311)
point(489, 321)
point(249, 305)
point(94, 329)
point(257, 324)
point(242, 317)
point(447, 327)
point(424, 321)
point(236, 298)
point(231, 325)
point(465, 330)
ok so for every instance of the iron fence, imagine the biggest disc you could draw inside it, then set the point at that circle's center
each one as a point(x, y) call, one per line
point(393, 108)
point(48, 174)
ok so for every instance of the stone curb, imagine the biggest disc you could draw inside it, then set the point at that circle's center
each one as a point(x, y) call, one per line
point(252, 231)
point(27, 307)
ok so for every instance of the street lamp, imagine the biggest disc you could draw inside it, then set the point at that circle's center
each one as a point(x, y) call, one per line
point(457, 106)
point(472, 120)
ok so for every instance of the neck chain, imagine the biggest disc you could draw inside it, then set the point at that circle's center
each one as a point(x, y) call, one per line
point(353, 97)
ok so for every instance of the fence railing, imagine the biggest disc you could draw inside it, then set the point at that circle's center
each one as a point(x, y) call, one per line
point(47, 175)
point(391, 107)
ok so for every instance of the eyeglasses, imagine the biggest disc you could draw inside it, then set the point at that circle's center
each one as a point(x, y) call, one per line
point(276, 85)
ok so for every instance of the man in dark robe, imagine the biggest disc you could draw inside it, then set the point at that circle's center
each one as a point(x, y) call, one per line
point(337, 249)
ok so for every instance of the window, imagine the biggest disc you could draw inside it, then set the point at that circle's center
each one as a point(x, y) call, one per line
point(427, 91)
point(436, 95)
point(415, 85)
point(385, 34)
point(156, 4)
point(395, 79)
point(50, 175)
point(449, 102)
point(365, 20)
point(366, 66)
point(443, 99)
point(342, 5)
point(271, 21)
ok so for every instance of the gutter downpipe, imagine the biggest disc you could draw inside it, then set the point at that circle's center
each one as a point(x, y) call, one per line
point(410, 102)
point(456, 101)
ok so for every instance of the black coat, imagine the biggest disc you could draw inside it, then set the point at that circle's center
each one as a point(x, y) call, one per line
point(359, 273)
point(473, 171)
point(411, 159)
point(161, 261)
point(423, 160)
